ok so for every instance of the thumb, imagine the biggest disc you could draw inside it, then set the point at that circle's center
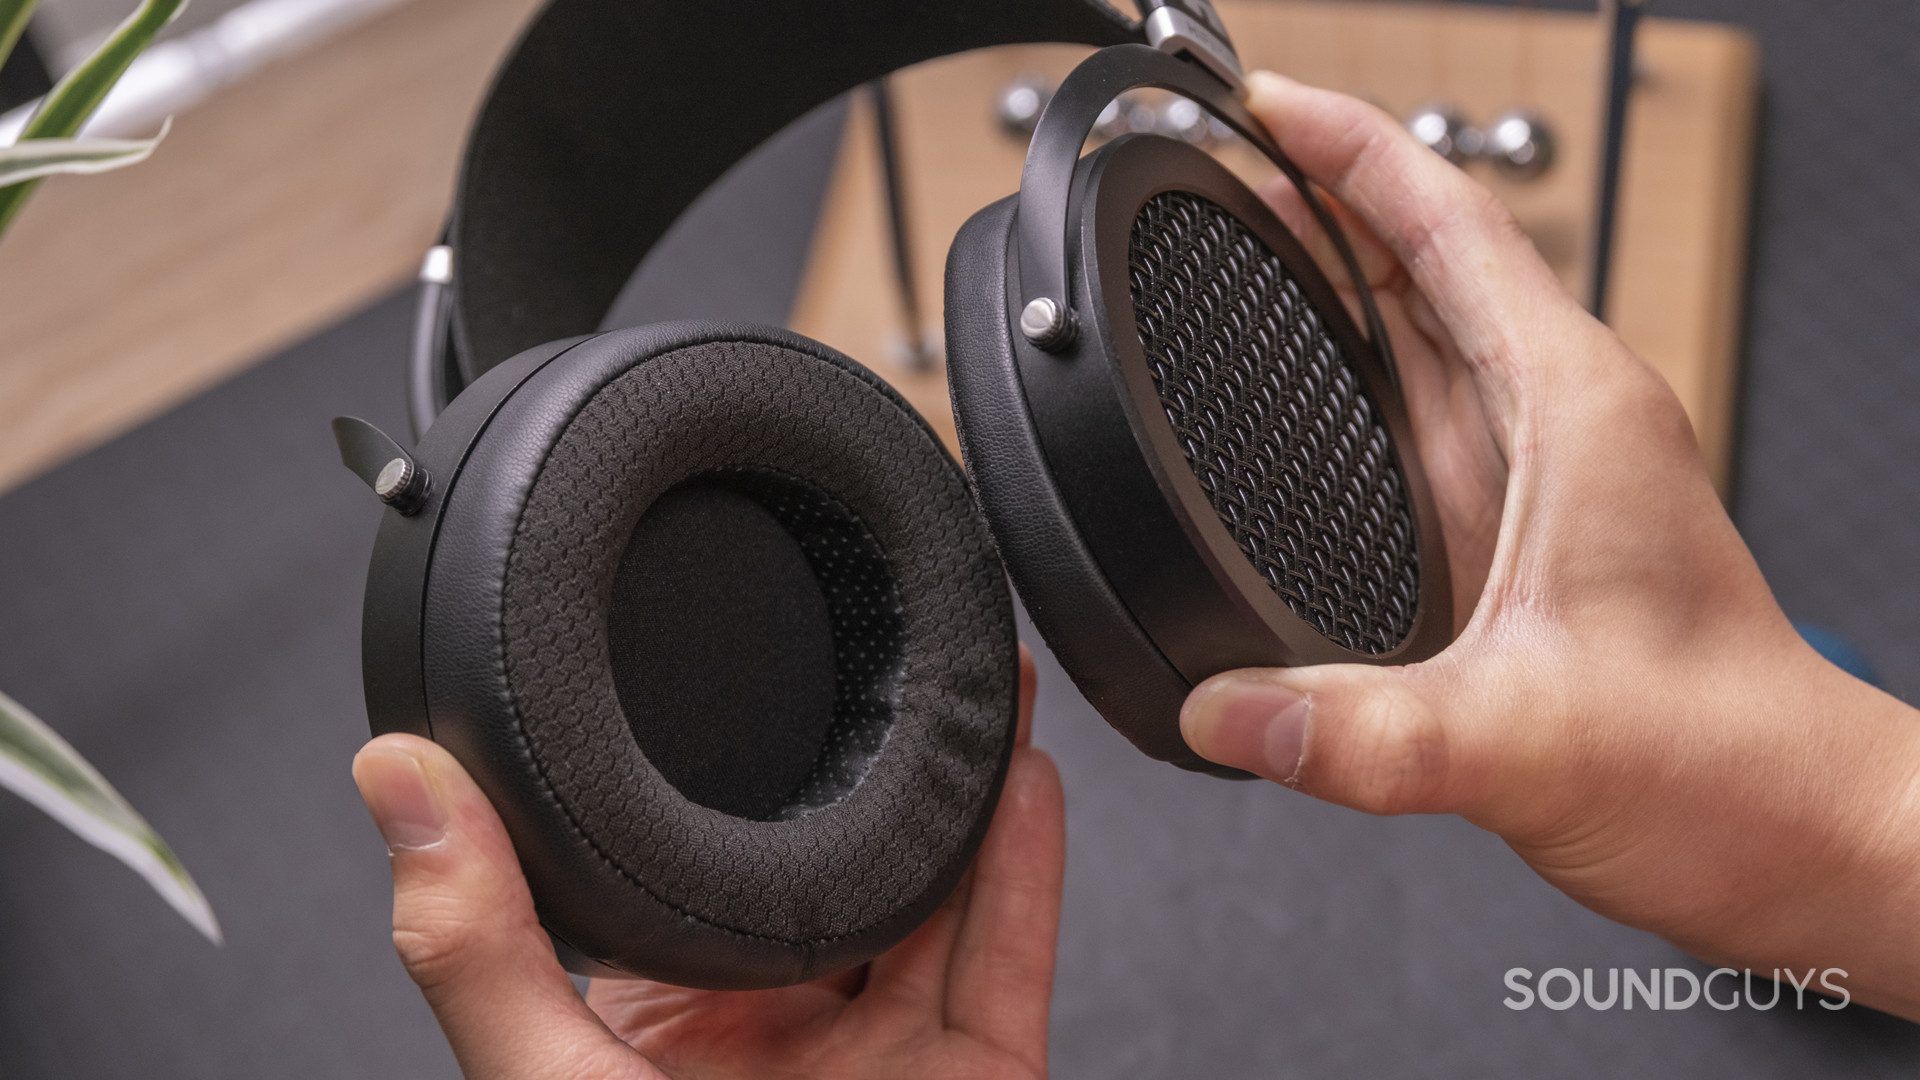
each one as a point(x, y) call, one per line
point(1365, 737)
point(464, 922)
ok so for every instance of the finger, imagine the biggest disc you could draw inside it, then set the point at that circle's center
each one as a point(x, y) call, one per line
point(464, 923)
point(1382, 740)
point(1001, 979)
point(1458, 243)
point(1377, 261)
point(1405, 311)
point(913, 974)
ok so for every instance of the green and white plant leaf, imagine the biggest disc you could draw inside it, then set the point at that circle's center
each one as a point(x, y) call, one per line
point(75, 97)
point(35, 762)
point(39, 766)
point(13, 22)
point(32, 160)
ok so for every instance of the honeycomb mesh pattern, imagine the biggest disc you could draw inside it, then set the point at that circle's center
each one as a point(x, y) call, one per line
point(923, 798)
point(1274, 422)
point(868, 625)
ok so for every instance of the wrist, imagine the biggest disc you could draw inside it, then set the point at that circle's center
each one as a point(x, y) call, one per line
point(1836, 885)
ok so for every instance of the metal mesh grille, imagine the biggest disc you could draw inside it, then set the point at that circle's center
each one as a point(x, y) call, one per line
point(1274, 422)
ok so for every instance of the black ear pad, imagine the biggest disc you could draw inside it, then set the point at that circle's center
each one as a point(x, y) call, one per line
point(712, 619)
point(1217, 472)
point(1089, 628)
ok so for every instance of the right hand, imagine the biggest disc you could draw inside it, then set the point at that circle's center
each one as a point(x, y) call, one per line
point(1626, 705)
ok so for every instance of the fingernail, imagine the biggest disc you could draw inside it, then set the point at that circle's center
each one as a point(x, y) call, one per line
point(1250, 724)
point(404, 804)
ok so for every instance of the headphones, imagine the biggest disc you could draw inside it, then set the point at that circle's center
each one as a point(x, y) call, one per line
point(709, 612)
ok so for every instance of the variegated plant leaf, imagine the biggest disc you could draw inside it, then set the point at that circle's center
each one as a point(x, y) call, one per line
point(35, 762)
point(75, 97)
point(13, 22)
point(40, 767)
point(36, 158)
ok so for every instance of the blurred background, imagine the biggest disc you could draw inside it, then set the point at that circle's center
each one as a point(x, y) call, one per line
point(181, 555)
point(63, 28)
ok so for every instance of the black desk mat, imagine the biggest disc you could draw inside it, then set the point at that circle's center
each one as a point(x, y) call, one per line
point(184, 605)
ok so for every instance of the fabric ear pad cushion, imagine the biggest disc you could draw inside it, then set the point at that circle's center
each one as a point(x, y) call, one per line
point(713, 620)
point(1090, 630)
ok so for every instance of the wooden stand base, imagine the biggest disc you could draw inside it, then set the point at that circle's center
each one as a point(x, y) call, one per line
point(1684, 208)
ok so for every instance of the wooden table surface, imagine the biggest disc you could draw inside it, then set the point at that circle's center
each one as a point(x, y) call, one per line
point(281, 205)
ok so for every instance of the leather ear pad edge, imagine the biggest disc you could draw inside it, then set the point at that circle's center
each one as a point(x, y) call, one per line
point(390, 622)
point(1089, 628)
point(575, 884)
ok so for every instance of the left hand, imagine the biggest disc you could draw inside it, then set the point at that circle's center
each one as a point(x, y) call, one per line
point(965, 996)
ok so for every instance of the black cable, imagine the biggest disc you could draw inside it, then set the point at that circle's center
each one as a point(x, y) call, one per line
point(887, 135)
point(1624, 19)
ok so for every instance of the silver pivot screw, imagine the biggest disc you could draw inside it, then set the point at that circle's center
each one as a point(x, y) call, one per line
point(401, 485)
point(1046, 324)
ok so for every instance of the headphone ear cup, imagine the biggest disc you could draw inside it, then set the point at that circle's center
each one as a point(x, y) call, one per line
point(1089, 628)
point(1215, 471)
point(713, 621)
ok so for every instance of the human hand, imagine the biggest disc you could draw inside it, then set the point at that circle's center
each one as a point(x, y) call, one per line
point(1626, 705)
point(965, 996)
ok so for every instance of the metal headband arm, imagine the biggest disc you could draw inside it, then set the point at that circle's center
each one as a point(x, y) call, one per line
point(1046, 183)
point(1193, 29)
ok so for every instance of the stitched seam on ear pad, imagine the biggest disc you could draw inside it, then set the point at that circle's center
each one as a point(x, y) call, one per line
point(826, 873)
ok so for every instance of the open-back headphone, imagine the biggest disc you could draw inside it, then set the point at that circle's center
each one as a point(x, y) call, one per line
point(708, 611)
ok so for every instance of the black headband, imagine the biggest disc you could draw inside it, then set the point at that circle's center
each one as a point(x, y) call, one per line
point(610, 119)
